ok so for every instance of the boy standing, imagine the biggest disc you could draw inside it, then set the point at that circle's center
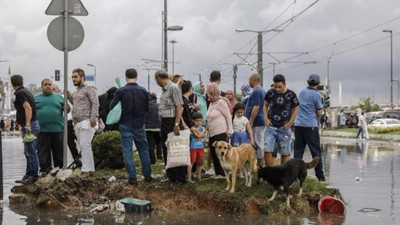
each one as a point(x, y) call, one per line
point(196, 145)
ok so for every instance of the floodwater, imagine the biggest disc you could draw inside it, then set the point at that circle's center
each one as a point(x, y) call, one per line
point(367, 174)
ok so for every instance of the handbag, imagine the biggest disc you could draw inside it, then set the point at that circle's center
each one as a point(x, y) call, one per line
point(114, 115)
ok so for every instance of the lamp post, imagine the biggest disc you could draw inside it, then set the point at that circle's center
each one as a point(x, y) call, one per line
point(260, 48)
point(165, 34)
point(328, 87)
point(95, 75)
point(8, 85)
point(173, 42)
point(398, 92)
point(148, 68)
point(391, 66)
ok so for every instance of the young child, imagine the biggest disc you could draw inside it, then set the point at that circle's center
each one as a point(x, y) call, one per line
point(196, 145)
point(243, 132)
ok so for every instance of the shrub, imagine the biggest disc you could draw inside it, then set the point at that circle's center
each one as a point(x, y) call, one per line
point(107, 150)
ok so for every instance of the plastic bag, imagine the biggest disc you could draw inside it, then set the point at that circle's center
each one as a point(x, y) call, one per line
point(178, 149)
point(114, 115)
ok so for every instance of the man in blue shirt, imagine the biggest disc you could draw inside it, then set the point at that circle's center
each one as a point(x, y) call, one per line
point(306, 124)
point(255, 113)
point(135, 104)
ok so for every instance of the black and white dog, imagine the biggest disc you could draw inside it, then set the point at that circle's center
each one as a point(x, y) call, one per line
point(285, 174)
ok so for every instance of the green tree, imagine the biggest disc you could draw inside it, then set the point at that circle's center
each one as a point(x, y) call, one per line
point(368, 105)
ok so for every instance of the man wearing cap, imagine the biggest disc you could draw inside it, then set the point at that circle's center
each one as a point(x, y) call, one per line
point(306, 124)
point(135, 105)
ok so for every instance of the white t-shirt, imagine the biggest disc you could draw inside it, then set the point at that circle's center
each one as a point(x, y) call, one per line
point(239, 123)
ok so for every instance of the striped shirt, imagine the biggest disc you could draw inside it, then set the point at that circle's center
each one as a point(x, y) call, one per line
point(86, 103)
point(170, 97)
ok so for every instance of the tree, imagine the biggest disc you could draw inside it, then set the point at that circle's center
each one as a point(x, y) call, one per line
point(368, 105)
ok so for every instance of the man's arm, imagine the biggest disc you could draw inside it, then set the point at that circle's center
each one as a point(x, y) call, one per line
point(267, 121)
point(178, 115)
point(94, 106)
point(253, 115)
point(28, 115)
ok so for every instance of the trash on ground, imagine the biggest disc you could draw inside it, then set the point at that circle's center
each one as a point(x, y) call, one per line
point(136, 205)
point(100, 208)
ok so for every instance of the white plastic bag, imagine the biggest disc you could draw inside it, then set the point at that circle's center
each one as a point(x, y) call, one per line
point(178, 149)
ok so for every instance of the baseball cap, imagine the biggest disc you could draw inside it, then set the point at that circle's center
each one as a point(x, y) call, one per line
point(314, 78)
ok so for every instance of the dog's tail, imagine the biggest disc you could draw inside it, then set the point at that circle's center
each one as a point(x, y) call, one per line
point(313, 163)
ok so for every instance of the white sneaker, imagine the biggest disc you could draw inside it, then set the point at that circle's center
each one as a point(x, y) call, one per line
point(210, 172)
point(218, 177)
point(54, 171)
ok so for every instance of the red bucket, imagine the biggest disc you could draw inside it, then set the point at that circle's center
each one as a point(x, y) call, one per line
point(331, 205)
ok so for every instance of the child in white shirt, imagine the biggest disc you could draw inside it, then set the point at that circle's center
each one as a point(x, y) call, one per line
point(243, 132)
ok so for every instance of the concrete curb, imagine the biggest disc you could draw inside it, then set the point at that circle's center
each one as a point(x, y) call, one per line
point(383, 137)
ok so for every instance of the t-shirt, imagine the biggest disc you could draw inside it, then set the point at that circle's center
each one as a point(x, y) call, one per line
point(256, 99)
point(309, 102)
point(280, 106)
point(194, 142)
point(239, 123)
point(22, 95)
point(50, 112)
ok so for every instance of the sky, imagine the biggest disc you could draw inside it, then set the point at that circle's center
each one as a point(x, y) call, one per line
point(120, 33)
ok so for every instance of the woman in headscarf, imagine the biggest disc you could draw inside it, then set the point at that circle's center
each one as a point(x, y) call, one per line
point(199, 90)
point(219, 123)
point(232, 100)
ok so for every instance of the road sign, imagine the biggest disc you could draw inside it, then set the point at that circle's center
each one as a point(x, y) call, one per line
point(75, 8)
point(55, 33)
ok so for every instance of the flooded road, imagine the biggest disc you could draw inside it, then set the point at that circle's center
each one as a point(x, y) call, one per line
point(367, 174)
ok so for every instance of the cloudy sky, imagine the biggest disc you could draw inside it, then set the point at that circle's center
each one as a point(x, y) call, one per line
point(120, 33)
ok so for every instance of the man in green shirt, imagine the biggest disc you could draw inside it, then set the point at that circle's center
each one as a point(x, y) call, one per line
point(49, 110)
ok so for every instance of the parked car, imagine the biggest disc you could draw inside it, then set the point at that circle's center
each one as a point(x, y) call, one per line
point(384, 123)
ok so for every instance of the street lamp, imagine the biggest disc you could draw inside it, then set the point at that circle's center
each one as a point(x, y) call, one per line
point(95, 75)
point(391, 66)
point(165, 33)
point(148, 68)
point(173, 42)
point(8, 84)
point(398, 92)
point(260, 48)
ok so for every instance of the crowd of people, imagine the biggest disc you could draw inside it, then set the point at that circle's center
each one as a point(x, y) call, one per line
point(263, 118)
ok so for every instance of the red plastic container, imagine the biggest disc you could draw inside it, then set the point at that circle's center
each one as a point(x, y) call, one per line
point(331, 205)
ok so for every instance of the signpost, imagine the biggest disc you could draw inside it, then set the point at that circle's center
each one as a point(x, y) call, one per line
point(66, 34)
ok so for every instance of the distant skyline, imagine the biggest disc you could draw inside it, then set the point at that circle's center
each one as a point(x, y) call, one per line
point(119, 34)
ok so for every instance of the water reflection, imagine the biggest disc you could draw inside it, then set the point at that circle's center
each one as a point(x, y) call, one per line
point(367, 174)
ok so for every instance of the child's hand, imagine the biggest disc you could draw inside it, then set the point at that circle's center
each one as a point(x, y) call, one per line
point(252, 143)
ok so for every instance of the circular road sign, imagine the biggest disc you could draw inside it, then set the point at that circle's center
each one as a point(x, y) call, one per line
point(55, 33)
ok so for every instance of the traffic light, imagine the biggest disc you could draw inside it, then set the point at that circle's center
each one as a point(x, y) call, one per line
point(57, 75)
point(326, 102)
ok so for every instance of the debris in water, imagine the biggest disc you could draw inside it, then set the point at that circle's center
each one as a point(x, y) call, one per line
point(357, 179)
point(367, 210)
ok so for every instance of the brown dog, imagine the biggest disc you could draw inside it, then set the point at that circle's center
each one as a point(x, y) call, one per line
point(234, 158)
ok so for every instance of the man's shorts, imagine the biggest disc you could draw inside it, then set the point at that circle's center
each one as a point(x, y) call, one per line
point(259, 141)
point(277, 136)
point(196, 155)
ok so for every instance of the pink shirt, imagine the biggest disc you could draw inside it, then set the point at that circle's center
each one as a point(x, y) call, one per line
point(219, 118)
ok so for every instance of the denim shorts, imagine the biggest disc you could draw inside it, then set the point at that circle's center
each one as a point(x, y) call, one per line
point(276, 136)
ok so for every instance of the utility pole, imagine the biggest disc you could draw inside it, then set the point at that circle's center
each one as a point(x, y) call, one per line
point(328, 86)
point(391, 66)
point(260, 56)
point(235, 69)
point(165, 16)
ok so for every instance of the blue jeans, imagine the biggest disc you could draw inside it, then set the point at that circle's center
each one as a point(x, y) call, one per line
point(30, 151)
point(276, 136)
point(309, 136)
point(360, 131)
point(139, 136)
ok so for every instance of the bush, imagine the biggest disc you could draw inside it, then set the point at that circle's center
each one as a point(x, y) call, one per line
point(107, 150)
point(385, 130)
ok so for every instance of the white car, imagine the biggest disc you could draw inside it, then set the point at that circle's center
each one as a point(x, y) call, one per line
point(384, 123)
